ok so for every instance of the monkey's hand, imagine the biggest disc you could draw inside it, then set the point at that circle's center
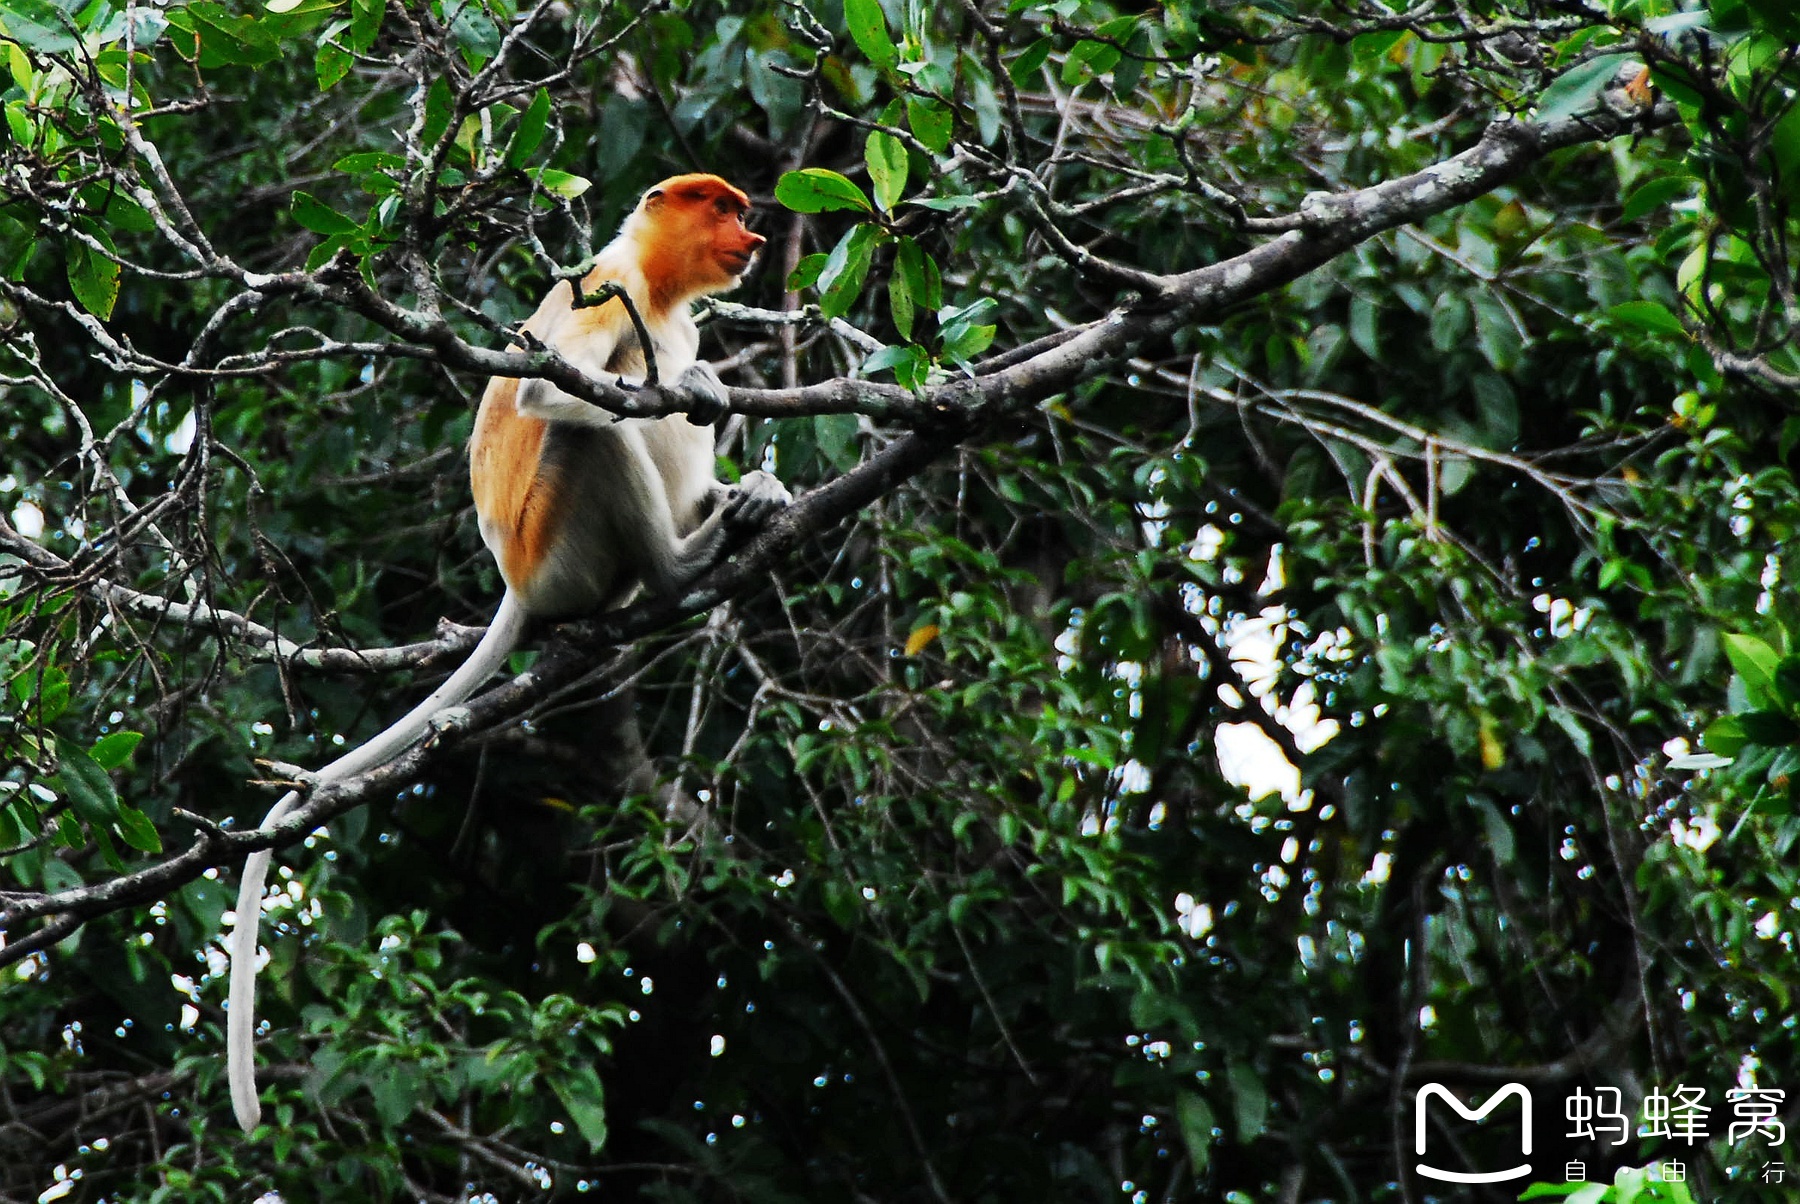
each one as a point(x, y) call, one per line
point(701, 393)
point(754, 500)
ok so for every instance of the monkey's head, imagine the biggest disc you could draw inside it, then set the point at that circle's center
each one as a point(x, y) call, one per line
point(691, 232)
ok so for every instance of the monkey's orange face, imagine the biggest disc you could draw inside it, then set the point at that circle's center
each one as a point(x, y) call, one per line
point(734, 245)
point(697, 241)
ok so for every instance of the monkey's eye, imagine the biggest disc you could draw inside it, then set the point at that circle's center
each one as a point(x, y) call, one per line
point(723, 206)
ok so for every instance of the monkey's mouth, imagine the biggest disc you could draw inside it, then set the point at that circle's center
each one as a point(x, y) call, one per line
point(738, 262)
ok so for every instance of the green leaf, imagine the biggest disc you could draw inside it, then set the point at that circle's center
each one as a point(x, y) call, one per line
point(395, 1089)
point(913, 285)
point(900, 303)
point(206, 900)
point(135, 828)
point(839, 903)
point(1578, 89)
point(1449, 321)
point(842, 279)
point(93, 277)
point(319, 217)
point(816, 190)
point(1725, 736)
point(1578, 1193)
point(928, 289)
point(886, 159)
point(1498, 833)
point(1364, 329)
point(367, 161)
point(50, 688)
point(111, 205)
point(365, 23)
point(1025, 68)
point(560, 183)
point(1130, 67)
point(1249, 1100)
point(223, 37)
point(1787, 682)
point(584, 1098)
point(1086, 60)
point(333, 62)
point(964, 340)
point(112, 751)
point(1753, 661)
point(1655, 194)
point(1194, 1117)
point(1771, 729)
point(39, 25)
point(1776, 16)
point(888, 357)
point(476, 32)
point(322, 254)
point(1784, 148)
point(806, 272)
point(1652, 317)
point(931, 123)
point(88, 788)
point(13, 832)
point(869, 30)
point(59, 875)
point(437, 112)
point(20, 123)
point(946, 204)
point(1785, 768)
point(530, 132)
point(1499, 340)
point(835, 436)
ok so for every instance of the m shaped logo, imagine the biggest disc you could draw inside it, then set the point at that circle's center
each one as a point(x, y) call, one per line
point(1432, 1091)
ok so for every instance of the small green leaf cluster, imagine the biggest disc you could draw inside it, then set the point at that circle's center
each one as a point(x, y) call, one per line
point(62, 782)
point(915, 289)
point(1759, 735)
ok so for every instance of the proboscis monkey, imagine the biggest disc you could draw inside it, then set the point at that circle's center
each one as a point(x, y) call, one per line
point(580, 507)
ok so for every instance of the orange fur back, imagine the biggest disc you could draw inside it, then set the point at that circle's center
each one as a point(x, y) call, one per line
point(503, 460)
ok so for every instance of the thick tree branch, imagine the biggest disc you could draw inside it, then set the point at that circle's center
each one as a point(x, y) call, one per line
point(1330, 224)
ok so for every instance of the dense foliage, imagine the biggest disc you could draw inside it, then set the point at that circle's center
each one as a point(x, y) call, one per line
point(1127, 774)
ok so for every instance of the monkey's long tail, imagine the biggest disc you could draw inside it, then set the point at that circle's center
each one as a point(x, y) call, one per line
point(240, 1017)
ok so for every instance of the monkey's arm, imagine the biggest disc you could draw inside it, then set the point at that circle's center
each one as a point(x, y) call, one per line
point(641, 492)
point(735, 509)
point(698, 391)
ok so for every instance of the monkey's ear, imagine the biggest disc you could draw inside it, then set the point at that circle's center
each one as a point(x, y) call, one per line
point(654, 199)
